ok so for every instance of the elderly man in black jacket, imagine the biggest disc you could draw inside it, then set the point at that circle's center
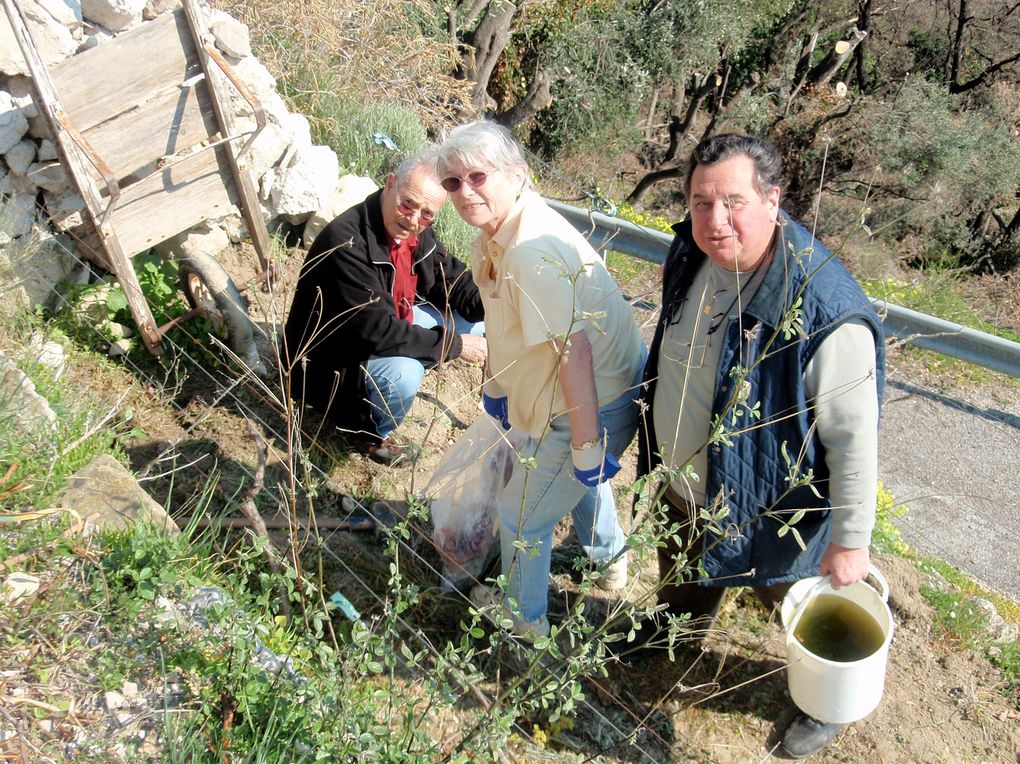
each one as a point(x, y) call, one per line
point(379, 301)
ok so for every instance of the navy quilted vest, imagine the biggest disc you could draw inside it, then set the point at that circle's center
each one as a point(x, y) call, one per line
point(748, 478)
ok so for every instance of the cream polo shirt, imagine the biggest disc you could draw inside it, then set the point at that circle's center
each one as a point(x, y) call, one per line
point(540, 280)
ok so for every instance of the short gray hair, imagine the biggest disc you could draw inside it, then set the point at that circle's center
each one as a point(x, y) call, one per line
point(426, 159)
point(768, 165)
point(483, 142)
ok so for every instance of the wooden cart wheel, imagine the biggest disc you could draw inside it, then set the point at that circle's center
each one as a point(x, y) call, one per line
point(210, 291)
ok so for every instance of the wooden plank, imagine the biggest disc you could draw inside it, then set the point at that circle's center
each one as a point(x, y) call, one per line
point(98, 84)
point(173, 200)
point(49, 104)
point(243, 184)
point(172, 122)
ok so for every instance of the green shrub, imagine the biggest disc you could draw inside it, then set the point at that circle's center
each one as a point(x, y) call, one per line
point(370, 138)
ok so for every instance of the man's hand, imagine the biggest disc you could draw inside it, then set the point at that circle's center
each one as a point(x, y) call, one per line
point(845, 565)
point(474, 349)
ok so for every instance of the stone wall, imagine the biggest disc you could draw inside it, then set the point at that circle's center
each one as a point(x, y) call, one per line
point(296, 180)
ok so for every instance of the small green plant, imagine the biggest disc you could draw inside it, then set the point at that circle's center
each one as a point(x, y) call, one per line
point(886, 536)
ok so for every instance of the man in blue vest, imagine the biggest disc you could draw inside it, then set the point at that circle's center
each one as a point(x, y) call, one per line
point(763, 389)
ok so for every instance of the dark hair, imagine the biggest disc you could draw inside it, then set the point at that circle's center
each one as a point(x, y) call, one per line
point(768, 166)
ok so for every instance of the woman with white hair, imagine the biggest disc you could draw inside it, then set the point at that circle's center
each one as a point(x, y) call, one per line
point(565, 360)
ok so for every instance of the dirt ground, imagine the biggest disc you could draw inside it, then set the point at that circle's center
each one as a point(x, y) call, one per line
point(724, 703)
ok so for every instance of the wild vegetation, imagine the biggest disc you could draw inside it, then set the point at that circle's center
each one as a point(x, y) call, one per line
point(304, 646)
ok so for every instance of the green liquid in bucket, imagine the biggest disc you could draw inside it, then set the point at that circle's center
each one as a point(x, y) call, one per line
point(837, 629)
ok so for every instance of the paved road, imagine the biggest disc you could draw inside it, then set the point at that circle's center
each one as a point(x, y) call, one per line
point(954, 459)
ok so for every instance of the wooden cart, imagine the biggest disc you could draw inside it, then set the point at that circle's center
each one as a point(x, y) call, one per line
point(147, 133)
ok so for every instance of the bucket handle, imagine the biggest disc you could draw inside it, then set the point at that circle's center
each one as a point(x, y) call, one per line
point(824, 582)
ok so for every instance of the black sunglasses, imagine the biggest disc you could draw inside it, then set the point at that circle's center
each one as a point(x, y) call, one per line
point(473, 179)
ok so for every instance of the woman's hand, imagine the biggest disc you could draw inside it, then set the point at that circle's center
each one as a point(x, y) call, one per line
point(593, 463)
point(497, 408)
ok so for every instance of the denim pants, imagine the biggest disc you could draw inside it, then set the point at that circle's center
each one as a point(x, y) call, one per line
point(392, 382)
point(536, 499)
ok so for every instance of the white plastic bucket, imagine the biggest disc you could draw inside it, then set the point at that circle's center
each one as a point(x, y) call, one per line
point(834, 691)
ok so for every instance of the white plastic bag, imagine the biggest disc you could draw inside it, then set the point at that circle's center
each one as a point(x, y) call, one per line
point(463, 492)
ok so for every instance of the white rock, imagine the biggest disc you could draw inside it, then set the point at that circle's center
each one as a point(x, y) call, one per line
point(64, 209)
point(47, 151)
point(114, 700)
point(31, 411)
point(20, 88)
point(49, 176)
point(65, 12)
point(307, 182)
point(231, 35)
point(48, 354)
point(42, 262)
point(205, 239)
point(18, 215)
point(266, 183)
point(52, 39)
point(352, 190)
point(235, 227)
point(266, 150)
point(155, 7)
point(120, 348)
point(13, 122)
point(39, 128)
point(94, 34)
point(19, 157)
point(115, 15)
point(18, 585)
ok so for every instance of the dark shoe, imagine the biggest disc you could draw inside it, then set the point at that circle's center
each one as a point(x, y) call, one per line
point(389, 451)
point(806, 736)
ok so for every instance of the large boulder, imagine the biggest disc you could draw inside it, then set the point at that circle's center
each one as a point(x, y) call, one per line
point(13, 122)
point(231, 35)
point(115, 15)
point(106, 492)
point(307, 182)
point(352, 190)
point(205, 239)
point(52, 38)
point(19, 400)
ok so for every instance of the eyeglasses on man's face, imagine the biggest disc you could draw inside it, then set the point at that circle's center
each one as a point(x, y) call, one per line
point(405, 209)
point(473, 179)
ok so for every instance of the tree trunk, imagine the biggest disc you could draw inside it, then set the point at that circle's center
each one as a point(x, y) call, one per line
point(650, 118)
point(709, 84)
point(719, 101)
point(861, 52)
point(538, 97)
point(488, 40)
point(828, 66)
point(650, 180)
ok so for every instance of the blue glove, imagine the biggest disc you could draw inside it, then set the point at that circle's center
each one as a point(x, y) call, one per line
point(498, 409)
point(598, 474)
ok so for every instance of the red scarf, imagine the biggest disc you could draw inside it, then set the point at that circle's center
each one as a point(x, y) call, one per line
point(405, 280)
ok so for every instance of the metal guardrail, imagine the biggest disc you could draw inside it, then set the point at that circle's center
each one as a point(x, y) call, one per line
point(925, 331)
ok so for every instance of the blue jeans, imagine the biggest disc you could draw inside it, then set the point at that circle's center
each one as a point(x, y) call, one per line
point(392, 382)
point(536, 499)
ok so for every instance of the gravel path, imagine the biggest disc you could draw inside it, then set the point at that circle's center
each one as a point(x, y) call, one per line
point(952, 456)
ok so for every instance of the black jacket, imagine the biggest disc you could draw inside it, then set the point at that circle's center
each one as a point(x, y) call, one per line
point(343, 312)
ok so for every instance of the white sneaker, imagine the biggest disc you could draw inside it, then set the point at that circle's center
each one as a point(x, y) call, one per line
point(492, 607)
point(614, 577)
